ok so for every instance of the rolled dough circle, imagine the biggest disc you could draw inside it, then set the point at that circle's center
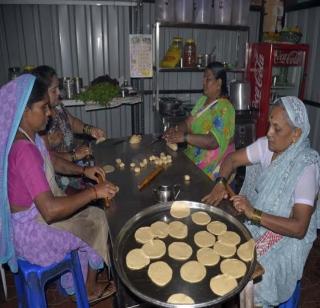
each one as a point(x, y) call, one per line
point(229, 238)
point(200, 218)
point(180, 209)
point(154, 249)
point(207, 256)
point(179, 251)
point(143, 235)
point(204, 239)
point(246, 251)
point(217, 227)
point(160, 273)
point(233, 267)
point(136, 259)
point(223, 250)
point(180, 299)
point(108, 168)
point(178, 230)
point(222, 284)
point(192, 271)
point(160, 229)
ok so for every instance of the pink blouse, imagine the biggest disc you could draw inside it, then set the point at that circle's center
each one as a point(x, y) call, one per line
point(26, 176)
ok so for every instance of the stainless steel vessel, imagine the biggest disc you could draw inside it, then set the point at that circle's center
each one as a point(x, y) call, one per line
point(240, 94)
point(138, 282)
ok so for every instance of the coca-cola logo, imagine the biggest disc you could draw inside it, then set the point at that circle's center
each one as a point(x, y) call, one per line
point(258, 78)
point(293, 57)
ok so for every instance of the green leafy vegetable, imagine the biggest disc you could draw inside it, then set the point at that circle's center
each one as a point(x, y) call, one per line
point(101, 93)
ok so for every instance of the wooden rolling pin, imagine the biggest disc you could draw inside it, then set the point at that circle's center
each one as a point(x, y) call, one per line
point(150, 177)
point(101, 180)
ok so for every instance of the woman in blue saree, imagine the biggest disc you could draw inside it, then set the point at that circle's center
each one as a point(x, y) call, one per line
point(277, 197)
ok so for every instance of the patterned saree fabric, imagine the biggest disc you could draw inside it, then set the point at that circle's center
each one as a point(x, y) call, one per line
point(219, 120)
point(271, 190)
point(13, 98)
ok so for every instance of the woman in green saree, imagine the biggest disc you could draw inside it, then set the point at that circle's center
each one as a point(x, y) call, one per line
point(209, 129)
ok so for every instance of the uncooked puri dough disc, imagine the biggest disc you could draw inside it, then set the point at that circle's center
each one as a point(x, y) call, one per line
point(200, 218)
point(204, 239)
point(222, 284)
point(154, 249)
point(180, 251)
point(180, 299)
point(207, 256)
point(136, 259)
point(180, 209)
point(233, 267)
point(192, 271)
point(178, 229)
point(160, 229)
point(143, 235)
point(160, 273)
point(217, 227)
point(246, 250)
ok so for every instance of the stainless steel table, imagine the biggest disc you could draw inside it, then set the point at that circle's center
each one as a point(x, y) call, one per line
point(130, 200)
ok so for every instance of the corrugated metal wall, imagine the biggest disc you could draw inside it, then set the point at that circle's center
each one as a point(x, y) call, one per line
point(88, 41)
point(309, 22)
point(77, 40)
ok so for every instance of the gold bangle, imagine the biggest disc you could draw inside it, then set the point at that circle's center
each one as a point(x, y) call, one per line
point(73, 156)
point(256, 216)
point(87, 129)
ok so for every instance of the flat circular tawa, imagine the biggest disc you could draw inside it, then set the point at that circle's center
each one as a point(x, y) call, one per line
point(138, 281)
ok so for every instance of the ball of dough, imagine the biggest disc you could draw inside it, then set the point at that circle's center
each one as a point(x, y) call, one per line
point(187, 178)
point(172, 146)
point(118, 161)
point(137, 169)
point(134, 139)
point(121, 165)
point(132, 165)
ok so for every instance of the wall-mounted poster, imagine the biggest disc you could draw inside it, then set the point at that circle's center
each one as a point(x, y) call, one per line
point(140, 55)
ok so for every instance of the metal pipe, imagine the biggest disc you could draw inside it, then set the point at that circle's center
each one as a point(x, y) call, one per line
point(72, 2)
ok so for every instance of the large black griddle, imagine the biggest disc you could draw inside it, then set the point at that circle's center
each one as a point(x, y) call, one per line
point(138, 282)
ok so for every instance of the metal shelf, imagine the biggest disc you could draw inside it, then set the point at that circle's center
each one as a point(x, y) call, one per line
point(284, 86)
point(157, 70)
point(202, 26)
point(195, 69)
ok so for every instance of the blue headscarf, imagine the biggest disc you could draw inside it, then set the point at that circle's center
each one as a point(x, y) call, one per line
point(13, 99)
point(272, 191)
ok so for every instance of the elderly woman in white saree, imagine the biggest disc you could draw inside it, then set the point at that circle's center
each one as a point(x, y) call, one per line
point(277, 197)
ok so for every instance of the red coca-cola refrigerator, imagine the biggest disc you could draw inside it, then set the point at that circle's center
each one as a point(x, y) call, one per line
point(274, 70)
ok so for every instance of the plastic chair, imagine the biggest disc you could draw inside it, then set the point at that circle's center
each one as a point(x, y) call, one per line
point(31, 279)
point(293, 301)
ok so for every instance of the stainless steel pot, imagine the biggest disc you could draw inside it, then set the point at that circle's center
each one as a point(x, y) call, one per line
point(240, 94)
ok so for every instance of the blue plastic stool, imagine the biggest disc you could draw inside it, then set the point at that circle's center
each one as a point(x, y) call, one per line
point(31, 279)
point(293, 301)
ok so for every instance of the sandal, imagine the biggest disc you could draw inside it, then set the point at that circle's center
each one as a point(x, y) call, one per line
point(106, 292)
